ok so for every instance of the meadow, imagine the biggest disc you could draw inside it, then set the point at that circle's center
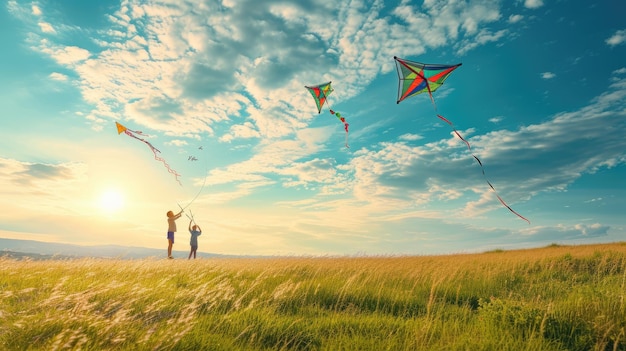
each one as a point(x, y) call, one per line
point(552, 298)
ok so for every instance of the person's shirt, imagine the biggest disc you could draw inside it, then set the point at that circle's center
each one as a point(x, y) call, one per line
point(171, 221)
point(194, 237)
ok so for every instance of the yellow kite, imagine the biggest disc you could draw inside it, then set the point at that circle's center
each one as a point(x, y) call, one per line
point(131, 133)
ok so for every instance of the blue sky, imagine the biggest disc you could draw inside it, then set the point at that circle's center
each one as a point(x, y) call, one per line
point(541, 97)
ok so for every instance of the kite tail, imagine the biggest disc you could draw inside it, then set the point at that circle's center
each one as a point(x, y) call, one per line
point(155, 151)
point(455, 131)
point(169, 169)
point(481, 168)
point(345, 124)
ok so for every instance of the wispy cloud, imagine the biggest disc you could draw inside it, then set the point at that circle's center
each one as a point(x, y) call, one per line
point(594, 200)
point(65, 55)
point(482, 38)
point(410, 137)
point(36, 10)
point(48, 187)
point(548, 75)
point(564, 233)
point(617, 39)
point(46, 27)
point(26, 173)
point(58, 76)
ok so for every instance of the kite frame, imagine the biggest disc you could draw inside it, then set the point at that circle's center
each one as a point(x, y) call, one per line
point(403, 62)
point(318, 102)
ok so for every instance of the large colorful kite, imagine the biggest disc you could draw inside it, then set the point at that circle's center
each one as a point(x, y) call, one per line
point(416, 78)
point(131, 133)
point(320, 94)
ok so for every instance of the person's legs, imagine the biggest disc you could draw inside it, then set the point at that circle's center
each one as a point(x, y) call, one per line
point(170, 243)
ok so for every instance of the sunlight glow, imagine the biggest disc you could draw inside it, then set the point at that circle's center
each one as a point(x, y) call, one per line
point(111, 200)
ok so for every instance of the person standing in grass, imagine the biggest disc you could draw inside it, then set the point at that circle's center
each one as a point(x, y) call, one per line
point(195, 232)
point(171, 229)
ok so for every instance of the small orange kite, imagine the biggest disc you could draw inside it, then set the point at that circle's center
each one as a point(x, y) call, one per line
point(131, 133)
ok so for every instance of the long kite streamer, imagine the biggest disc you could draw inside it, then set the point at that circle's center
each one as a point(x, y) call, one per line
point(155, 151)
point(320, 93)
point(416, 78)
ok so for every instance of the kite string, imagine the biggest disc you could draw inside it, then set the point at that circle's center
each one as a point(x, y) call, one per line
point(472, 153)
point(197, 194)
point(206, 163)
point(190, 217)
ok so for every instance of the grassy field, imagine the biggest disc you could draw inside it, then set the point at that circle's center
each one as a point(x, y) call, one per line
point(553, 298)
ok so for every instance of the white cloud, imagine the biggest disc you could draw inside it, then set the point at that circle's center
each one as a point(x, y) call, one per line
point(437, 23)
point(238, 131)
point(482, 38)
point(533, 4)
point(46, 185)
point(565, 232)
point(410, 137)
point(36, 10)
point(46, 27)
point(58, 76)
point(65, 55)
point(315, 171)
point(27, 173)
point(515, 18)
point(594, 200)
point(548, 75)
point(177, 142)
point(618, 38)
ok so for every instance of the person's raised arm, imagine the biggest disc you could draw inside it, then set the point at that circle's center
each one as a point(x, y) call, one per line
point(190, 225)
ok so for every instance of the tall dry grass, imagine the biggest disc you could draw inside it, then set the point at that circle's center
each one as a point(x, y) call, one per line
point(555, 298)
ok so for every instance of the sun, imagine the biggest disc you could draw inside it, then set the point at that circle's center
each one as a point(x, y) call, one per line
point(111, 200)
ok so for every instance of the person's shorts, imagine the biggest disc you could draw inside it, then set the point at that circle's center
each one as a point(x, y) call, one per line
point(194, 247)
point(170, 236)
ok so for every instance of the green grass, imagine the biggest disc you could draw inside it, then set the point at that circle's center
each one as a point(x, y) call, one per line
point(553, 298)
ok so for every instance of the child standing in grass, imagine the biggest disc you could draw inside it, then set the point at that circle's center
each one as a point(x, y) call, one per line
point(195, 232)
point(171, 229)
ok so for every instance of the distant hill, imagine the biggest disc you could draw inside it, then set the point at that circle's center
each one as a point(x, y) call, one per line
point(44, 250)
point(32, 256)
